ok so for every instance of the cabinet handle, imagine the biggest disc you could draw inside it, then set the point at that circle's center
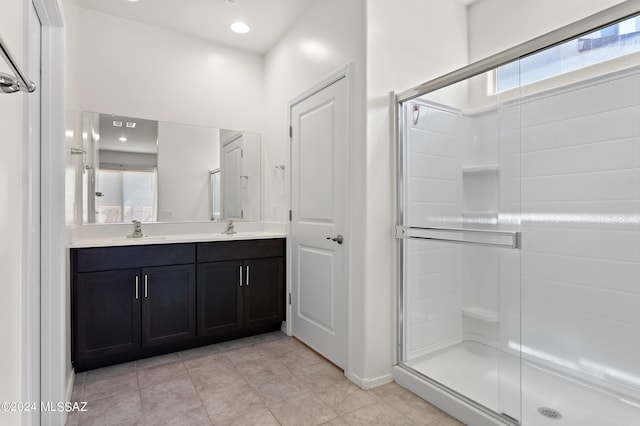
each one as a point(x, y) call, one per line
point(145, 285)
point(247, 275)
point(240, 276)
point(137, 287)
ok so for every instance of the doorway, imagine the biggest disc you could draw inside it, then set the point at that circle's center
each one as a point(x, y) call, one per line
point(319, 218)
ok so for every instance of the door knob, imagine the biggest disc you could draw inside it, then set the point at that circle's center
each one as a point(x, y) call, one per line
point(338, 239)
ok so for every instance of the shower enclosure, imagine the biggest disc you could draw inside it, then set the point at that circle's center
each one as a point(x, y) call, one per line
point(519, 231)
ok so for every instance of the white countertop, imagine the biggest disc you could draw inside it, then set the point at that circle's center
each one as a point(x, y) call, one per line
point(172, 239)
point(99, 235)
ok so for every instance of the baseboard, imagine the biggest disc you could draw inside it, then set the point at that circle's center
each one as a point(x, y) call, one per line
point(367, 384)
point(70, 382)
point(283, 328)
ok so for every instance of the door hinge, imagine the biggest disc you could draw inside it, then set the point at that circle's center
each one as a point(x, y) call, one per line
point(289, 298)
point(290, 131)
point(290, 215)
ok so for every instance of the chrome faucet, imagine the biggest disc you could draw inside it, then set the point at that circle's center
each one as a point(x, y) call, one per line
point(137, 230)
point(229, 229)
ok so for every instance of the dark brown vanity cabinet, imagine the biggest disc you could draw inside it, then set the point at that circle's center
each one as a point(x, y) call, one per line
point(219, 298)
point(121, 312)
point(240, 287)
point(263, 295)
point(130, 302)
point(107, 314)
point(168, 304)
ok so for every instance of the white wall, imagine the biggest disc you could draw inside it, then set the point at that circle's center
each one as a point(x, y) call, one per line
point(327, 37)
point(143, 71)
point(183, 178)
point(132, 69)
point(405, 47)
point(496, 25)
point(11, 223)
point(330, 35)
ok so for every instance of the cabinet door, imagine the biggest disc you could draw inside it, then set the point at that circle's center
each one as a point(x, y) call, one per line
point(219, 298)
point(107, 314)
point(168, 304)
point(263, 292)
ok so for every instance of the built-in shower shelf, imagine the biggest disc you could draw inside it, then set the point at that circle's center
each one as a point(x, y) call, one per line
point(481, 314)
point(482, 168)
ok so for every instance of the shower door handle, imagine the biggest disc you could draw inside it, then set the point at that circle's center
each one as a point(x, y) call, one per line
point(338, 239)
point(482, 237)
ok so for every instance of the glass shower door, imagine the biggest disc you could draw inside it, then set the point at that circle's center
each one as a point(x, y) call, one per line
point(459, 225)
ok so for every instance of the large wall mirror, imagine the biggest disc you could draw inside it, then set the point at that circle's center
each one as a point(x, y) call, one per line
point(155, 171)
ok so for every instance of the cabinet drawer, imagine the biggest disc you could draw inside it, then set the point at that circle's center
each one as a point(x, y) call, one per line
point(109, 258)
point(240, 250)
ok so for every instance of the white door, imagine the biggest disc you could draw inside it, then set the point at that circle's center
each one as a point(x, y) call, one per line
point(231, 179)
point(319, 204)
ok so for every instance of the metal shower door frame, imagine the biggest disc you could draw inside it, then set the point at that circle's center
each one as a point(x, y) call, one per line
point(587, 25)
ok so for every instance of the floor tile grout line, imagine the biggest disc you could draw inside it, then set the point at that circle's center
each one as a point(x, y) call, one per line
point(267, 406)
point(289, 371)
point(232, 367)
point(144, 416)
point(197, 393)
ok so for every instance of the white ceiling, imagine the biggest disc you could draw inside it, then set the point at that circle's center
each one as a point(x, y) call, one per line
point(210, 19)
point(143, 138)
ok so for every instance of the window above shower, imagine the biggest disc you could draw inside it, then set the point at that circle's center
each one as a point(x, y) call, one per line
point(614, 41)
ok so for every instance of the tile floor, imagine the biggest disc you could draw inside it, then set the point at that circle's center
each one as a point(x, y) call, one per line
point(269, 379)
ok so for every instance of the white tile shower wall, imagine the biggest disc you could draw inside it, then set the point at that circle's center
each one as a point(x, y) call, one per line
point(432, 297)
point(433, 169)
point(433, 180)
point(581, 231)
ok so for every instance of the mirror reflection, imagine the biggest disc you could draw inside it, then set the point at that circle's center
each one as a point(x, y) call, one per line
point(155, 171)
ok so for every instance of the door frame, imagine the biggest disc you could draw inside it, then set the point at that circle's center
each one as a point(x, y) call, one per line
point(344, 72)
point(44, 320)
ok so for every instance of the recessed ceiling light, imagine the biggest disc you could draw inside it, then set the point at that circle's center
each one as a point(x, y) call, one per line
point(117, 123)
point(240, 27)
point(234, 2)
point(131, 124)
point(122, 139)
point(133, 1)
